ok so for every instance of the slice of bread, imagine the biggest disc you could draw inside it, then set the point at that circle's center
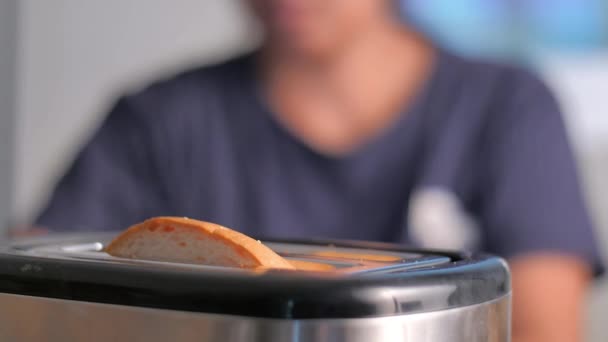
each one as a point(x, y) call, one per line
point(176, 239)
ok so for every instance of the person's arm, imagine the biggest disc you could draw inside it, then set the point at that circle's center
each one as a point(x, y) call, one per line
point(548, 296)
point(113, 181)
point(534, 213)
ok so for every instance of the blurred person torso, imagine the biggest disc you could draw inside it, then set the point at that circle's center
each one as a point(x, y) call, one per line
point(345, 124)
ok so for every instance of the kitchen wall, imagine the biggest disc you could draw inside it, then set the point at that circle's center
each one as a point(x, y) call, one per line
point(8, 36)
point(76, 56)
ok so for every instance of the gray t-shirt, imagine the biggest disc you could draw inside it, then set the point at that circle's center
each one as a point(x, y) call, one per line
point(204, 144)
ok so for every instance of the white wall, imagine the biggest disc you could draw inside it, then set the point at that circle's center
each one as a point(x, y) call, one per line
point(76, 56)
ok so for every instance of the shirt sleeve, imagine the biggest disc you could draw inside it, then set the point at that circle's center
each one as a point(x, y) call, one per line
point(113, 181)
point(532, 199)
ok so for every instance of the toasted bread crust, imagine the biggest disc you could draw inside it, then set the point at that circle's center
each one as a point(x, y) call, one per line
point(249, 249)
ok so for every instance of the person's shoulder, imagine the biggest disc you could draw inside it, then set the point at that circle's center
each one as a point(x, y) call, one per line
point(499, 90)
point(193, 83)
point(192, 96)
point(493, 96)
point(222, 71)
point(503, 77)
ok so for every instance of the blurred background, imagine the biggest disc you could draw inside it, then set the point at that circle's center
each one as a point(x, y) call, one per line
point(62, 63)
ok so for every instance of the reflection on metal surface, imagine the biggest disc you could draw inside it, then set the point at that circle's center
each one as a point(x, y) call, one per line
point(24, 318)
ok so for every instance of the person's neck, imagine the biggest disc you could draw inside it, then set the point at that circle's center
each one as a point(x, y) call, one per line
point(359, 88)
point(386, 43)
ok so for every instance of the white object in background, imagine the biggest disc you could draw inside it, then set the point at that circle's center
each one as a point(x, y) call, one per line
point(580, 82)
point(437, 219)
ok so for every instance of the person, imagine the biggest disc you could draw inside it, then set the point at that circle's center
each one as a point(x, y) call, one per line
point(340, 125)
